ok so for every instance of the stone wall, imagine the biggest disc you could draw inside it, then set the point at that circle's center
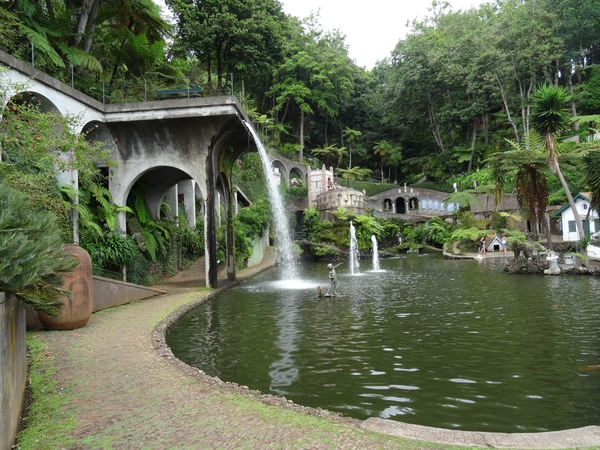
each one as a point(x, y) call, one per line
point(259, 244)
point(13, 366)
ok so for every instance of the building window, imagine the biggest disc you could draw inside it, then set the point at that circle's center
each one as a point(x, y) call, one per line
point(596, 224)
point(572, 226)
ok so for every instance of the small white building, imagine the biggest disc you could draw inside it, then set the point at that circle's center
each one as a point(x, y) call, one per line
point(567, 219)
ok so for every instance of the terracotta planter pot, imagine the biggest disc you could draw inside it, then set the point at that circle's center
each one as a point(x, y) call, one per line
point(77, 310)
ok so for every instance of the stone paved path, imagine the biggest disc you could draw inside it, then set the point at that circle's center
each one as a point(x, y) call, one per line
point(129, 392)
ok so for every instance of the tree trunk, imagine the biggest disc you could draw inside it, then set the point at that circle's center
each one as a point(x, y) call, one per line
point(548, 232)
point(435, 127)
point(301, 137)
point(508, 116)
point(89, 30)
point(485, 123)
point(473, 139)
point(219, 74)
point(555, 167)
point(81, 24)
point(573, 106)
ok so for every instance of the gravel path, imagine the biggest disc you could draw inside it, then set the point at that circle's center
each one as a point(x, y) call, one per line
point(130, 393)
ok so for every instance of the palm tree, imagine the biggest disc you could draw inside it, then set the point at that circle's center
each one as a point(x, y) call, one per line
point(328, 151)
point(382, 148)
point(549, 117)
point(351, 136)
point(393, 159)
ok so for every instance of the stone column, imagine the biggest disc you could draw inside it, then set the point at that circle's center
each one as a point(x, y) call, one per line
point(171, 199)
point(230, 208)
point(188, 190)
point(210, 229)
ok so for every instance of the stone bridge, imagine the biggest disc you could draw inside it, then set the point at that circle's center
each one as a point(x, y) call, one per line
point(182, 148)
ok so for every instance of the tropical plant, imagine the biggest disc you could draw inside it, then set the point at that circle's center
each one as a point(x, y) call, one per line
point(463, 198)
point(356, 173)
point(550, 116)
point(31, 254)
point(150, 236)
point(366, 226)
point(437, 231)
point(591, 164)
point(351, 137)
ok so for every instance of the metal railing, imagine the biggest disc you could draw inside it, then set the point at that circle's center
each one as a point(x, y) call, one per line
point(116, 90)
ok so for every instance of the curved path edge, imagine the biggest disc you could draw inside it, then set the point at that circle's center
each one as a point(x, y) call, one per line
point(578, 437)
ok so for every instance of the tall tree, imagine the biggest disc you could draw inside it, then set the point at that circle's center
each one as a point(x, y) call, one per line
point(550, 116)
point(315, 77)
point(237, 37)
point(351, 136)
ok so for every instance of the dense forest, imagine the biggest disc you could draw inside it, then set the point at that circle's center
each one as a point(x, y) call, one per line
point(451, 94)
point(506, 95)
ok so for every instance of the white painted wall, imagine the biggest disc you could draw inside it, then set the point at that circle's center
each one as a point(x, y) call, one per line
point(582, 206)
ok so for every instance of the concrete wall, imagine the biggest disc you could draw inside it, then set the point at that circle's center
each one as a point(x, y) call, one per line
point(259, 244)
point(13, 367)
point(109, 293)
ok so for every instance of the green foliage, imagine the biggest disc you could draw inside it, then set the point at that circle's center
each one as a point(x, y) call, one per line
point(149, 235)
point(108, 249)
point(371, 188)
point(35, 146)
point(250, 222)
point(591, 164)
point(500, 221)
point(367, 226)
point(298, 191)
point(482, 177)
point(467, 234)
point(248, 175)
point(468, 220)
point(311, 221)
point(355, 173)
point(437, 231)
point(31, 254)
point(49, 424)
point(338, 232)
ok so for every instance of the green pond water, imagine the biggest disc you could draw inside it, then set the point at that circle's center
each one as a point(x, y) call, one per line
point(443, 343)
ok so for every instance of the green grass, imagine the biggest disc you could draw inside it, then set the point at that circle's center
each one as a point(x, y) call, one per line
point(49, 425)
point(316, 426)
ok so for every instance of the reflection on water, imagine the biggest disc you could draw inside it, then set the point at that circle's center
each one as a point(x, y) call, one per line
point(453, 344)
point(284, 371)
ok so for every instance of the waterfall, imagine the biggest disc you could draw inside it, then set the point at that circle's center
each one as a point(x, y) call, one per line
point(285, 250)
point(354, 253)
point(375, 253)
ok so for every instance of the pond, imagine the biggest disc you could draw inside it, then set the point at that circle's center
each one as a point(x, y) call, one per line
point(446, 343)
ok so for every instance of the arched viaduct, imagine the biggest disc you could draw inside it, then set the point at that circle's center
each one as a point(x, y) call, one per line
point(183, 148)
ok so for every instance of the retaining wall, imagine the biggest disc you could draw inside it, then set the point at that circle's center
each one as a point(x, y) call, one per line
point(13, 367)
point(259, 244)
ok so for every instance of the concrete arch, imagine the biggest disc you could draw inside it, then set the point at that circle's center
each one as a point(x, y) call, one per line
point(286, 166)
point(277, 164)
point(387, 204)
point(174, 170)
point(400, 205)
point(296, 173)
point(44, 104)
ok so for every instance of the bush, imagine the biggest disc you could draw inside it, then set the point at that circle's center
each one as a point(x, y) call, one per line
point(31, 254)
